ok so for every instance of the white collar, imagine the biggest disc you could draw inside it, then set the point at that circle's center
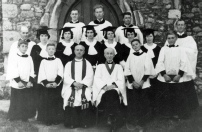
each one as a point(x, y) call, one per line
point(90, 43)
point(67, 44)
point(180, 33)
point(111, 45)
point(42, 46)
point(150, 47)
point(78, 60)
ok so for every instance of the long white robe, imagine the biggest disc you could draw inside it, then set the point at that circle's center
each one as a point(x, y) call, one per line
point(102, 78)
point(172, 60)
point(120, 37)
point(12, 53)
point(98, 29)
point(68, 81)
point(138, 66)
point(77, 31)
point(50, 69)
point(20, 67)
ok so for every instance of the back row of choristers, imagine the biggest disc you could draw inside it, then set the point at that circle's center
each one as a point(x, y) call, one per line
point(159, 80)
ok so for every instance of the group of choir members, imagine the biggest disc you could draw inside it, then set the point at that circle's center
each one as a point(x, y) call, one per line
point(104, 67)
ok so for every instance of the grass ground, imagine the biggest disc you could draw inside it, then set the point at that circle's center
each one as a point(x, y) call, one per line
point(194, 124)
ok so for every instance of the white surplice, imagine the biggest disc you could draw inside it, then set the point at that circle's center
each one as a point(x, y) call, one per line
point(138, 66)
point(20, 67)
point(104, 78)
point(50, 69)
point(172, 60)
point(12, 53)
point(68, 81)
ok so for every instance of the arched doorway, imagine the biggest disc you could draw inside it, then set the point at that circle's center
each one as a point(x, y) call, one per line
point(112, 11)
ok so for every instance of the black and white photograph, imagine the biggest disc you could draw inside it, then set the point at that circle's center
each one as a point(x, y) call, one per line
point(100, 65)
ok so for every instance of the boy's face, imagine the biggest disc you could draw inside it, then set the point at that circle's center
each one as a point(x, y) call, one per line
point(50, 50)
point(136, 45)
point(23, 48)
point(171, 39)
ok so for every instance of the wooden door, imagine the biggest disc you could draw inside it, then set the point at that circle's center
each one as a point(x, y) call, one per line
point(111, 10)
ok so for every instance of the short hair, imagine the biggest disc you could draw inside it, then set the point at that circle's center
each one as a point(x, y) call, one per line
point(171, 32)
point(50, 44)
point(135, 40)
point(63, 32)
point(105, 36)
point(98, 6)
point(180, 20)
point(79, 45)
point(94, 32)
point(127, 13)
point(74, 10)
point(23, 41)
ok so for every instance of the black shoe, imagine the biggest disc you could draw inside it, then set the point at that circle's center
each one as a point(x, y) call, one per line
point(72, 127)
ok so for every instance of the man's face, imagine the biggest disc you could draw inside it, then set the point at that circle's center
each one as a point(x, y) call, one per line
point(24, 33)
point(181, 26)
point(23, 48)
point(79, 51)
point(109, 55)
point(50, 50)
point(127, 19)
point(90, 34)
point(74, 15)
point(67, 35)
point(171, 39)
point(136, 45)
point(99, 13)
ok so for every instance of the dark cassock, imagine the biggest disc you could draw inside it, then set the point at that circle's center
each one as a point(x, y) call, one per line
point(51, 70)
point(38, 53)
point(188, 44)
point(118, 59)
point(77, 30)
point(170, 97)
point(65, 50)
point(105, 75)
point(138, 67)
point(93, 49)
point(120, 37)
point(100, 25)
point(76, 103)
point(22, 70)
